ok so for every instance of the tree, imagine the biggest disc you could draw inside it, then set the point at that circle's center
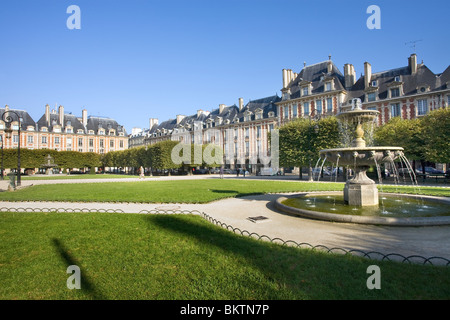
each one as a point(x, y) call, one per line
point(436, 133)
point(408, 134)
point(161, 155)
point(302, 139)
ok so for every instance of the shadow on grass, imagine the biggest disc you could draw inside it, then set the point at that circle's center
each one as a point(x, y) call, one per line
point(86, 284)
point(297, 273)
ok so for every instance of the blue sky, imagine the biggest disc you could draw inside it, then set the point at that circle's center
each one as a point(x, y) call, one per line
point(132, 60)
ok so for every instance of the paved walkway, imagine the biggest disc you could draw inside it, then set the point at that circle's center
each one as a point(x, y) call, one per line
point(426, 242)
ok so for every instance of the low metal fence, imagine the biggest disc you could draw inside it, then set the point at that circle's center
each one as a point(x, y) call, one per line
point(373, 255)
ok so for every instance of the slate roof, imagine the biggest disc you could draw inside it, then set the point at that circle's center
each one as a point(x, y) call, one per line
point(424, 77)
point(94, 123)
point(26, 118)
point(54, 119)
point(230, 113)
point(316, 74)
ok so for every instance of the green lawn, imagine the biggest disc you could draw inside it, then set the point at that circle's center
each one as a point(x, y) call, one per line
point(132, 256)
point(181, 191)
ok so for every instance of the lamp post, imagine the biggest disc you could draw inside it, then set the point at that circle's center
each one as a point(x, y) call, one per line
point(1, 137)
point(8, 119)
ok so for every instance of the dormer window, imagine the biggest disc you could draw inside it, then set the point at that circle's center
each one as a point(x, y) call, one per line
point(305, 91)
point(328, 86)
point(397, 78)
point(271, 114)
point(285, 95)
point(395, 92)
point(374, 83)
point(371, 96)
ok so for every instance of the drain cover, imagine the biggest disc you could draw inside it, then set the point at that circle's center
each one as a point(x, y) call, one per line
point(258, 219)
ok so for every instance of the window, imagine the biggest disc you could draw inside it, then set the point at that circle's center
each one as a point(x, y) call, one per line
point(329, 104)
point(15, 139)
point(305, 91)
point(306, 108)
point(286, 112)
point(371, 96)
point(397, 78)
point(56, 140)
point(69, 142)
point(448, 100)
point(247, 130)
point(247, 148)
point(101, 143)
point(374, 83)
point(69, 130)
point(395, 92)
point(91, 142)
point(395, 110)
point(422, 107)
point(294, 110)
point(285, 95)
point(30, 139)
point(121, 143)
point(111, 143)
point(319, 106)
point(258, 132)
point(328, 86)
point(80, 142)
point(44, 139)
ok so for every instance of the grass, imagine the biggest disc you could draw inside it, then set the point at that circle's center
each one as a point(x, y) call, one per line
point(184, 257)
point(183, 191)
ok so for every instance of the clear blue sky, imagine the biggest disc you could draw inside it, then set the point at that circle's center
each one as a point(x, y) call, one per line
point(135, 59)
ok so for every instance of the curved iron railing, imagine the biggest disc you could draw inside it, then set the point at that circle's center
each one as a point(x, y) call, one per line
point(372, 255)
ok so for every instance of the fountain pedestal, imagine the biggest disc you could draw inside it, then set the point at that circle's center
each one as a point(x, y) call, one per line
point(361, 190)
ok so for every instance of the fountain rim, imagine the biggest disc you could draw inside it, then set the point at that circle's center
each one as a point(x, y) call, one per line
point(366, 220)
point(381, 148)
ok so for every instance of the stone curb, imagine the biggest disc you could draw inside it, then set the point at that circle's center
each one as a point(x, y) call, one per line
point(385, 221)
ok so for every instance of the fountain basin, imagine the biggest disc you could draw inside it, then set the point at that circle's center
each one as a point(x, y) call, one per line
point(361, 156)
point(417, 219)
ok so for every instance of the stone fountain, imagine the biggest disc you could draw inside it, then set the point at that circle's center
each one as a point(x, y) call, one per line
point(360, 203)
point(360, 190)
point(49, 165)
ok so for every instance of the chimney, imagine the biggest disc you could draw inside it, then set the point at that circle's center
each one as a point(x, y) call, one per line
point(221, 108)
point(47, 115)
point(61, 115)
point(349, 75)
point(152, 122)
point(367, 74)
point(241, 104)
point(179, 118)
point(84, 117)
point(329, 66)
point(285, 78)
point(412, 62)
point(6, 108)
